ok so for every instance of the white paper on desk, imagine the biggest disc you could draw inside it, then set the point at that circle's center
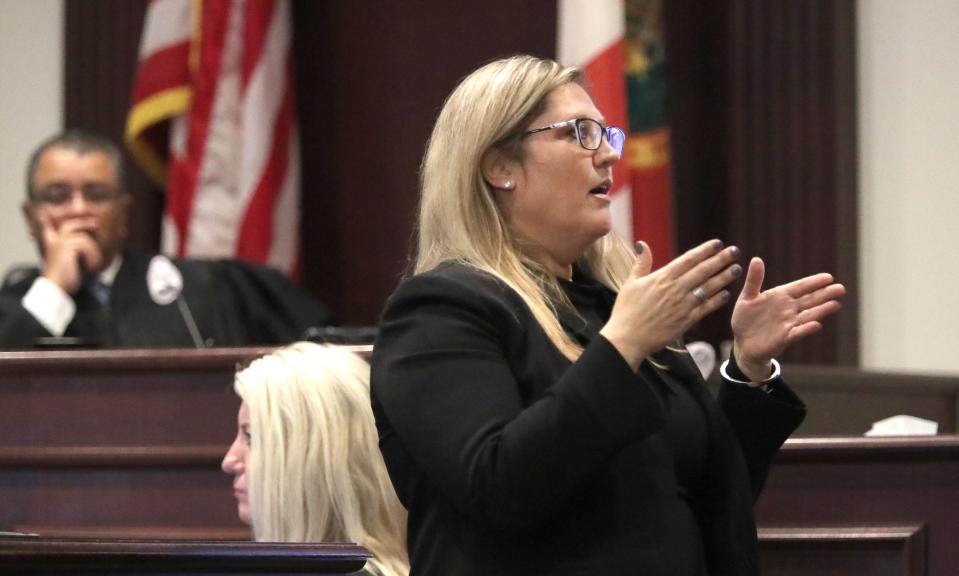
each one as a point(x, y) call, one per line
point(903, 425)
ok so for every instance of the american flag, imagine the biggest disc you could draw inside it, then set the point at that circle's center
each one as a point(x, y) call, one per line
point(213, 120)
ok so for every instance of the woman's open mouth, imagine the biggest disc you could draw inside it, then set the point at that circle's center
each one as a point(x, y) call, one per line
point(602, 189)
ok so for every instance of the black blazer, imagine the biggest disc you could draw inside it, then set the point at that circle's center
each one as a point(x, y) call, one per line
point(512, 460)
point(233, 303)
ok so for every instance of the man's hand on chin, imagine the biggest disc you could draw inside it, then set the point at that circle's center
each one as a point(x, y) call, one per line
point(70, 252)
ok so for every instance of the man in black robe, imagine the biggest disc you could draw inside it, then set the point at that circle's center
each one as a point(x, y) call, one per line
point(90, 291)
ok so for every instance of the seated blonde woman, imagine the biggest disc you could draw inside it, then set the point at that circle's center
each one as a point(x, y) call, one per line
point(305, 459)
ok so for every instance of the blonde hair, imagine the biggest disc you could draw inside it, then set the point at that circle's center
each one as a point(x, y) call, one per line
point(315, 471)
point(459, 218)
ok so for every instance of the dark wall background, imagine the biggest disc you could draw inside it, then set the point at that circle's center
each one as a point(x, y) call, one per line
point(762, 104)
point(761, 101)
point(372, 78)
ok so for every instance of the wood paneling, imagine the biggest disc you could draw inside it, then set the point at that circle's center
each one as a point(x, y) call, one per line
point(875, 484)
point(107, 438)
point(101, 47)
point(236, 534)
point(840, 551)
point(103, 398)
point(762, 99)
point(127, 440)
point(25, 555)
point(78, 496)
point(792, 187)
point(372, 77)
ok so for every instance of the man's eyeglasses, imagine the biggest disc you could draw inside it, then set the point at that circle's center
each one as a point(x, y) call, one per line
point(60, 194)
point(590, 133)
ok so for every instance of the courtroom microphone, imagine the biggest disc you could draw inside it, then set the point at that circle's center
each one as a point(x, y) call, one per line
point(166, 285)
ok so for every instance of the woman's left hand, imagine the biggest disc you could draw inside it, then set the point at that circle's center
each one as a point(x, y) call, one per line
point(766, 323)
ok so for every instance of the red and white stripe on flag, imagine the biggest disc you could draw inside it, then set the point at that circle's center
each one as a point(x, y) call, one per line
point(213, 119)
point(591, 37)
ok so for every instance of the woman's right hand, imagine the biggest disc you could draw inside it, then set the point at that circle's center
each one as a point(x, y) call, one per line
point(654, 308)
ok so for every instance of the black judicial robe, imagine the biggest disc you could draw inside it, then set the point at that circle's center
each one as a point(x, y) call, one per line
point(234, 303)
point(511, 460)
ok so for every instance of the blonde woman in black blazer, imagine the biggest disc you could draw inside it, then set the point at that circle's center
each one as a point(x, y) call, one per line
point(535, 411)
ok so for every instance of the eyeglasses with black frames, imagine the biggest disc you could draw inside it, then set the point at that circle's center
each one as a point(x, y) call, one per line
point(589, 133)
point(61, 193)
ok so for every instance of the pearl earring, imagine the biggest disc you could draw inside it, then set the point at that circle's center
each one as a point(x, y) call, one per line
point(508, 185)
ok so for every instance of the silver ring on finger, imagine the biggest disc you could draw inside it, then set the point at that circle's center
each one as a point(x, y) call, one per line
point(699, 294)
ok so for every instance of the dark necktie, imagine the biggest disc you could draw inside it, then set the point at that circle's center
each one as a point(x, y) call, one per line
point(98, 291)
point(92, 322)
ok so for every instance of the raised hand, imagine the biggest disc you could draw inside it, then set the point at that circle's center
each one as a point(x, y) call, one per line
point(654, 308)
point(69, 251)
point(765, 323)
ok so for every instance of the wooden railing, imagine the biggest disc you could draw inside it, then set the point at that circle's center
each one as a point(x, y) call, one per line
point(52, 557)
point(128, 443)
point(877, 506)
point(120, 442)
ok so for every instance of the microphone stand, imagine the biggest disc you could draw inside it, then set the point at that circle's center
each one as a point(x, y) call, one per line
point(165, 284)
point(190, 322)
